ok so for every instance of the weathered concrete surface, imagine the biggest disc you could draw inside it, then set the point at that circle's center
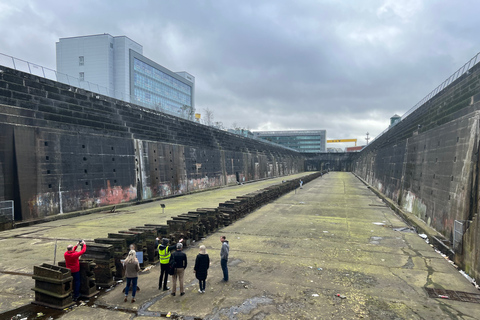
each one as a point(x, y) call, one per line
point(321, 241)
point(276, 253)
point(84, 312)
point(21, 249)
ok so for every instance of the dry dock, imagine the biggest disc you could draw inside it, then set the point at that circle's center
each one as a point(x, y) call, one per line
point(290, 259)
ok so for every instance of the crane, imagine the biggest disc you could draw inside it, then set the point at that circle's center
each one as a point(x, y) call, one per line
point(343, 140)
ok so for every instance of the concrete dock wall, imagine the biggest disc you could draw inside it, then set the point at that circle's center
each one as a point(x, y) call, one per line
point(428, 164)
point(64, 149)
point(341, 161)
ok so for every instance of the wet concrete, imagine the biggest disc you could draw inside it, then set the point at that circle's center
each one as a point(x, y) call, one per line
point(288, 260)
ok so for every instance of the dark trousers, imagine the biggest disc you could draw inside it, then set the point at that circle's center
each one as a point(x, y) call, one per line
point(133, 283)
point(223, 263)
point(76, 284)
point(163, 272)
point(201, 284)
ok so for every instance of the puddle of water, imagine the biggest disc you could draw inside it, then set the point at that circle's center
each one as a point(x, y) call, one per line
point(246, 307)
point(409, 264)
point(375, 240)
point(404, 229)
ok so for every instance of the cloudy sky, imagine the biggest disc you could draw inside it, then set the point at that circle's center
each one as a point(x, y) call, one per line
point(343, 66)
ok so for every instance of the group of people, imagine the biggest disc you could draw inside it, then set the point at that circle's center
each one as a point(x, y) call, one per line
point(172, 261)
point(173, 257)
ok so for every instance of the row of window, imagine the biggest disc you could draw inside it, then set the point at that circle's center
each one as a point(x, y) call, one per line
point(157, 102)
point(160, 89)
point(316, 138)
point(159, 76)
point(312, 146)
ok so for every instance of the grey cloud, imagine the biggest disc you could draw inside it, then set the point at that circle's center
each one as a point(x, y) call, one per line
point(330, 65)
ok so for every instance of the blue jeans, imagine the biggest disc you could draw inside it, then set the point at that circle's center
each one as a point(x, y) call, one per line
point(223, 263)
point(133, 282)
point(76, 284)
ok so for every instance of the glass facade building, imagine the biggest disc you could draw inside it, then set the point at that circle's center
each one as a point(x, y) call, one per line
point(311, 141)
point(118, 67)
point(153, 86)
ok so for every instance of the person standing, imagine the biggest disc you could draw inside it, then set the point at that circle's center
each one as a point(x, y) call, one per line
point(164, 251)
point(301, 184)
point(180, 266)
point(132, 267)
point(202, 263)
point(71, 262)
point(224, 257)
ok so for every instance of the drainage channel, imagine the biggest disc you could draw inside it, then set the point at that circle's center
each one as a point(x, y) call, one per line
point(453, 295)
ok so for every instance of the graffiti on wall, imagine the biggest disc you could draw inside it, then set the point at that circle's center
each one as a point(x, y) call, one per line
point(116, 194)
point(413, 204)
point(49, 203)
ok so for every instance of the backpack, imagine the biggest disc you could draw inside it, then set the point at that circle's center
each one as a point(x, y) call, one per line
point(171, 265)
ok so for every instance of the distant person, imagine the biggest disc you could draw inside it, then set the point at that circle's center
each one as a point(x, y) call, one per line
point(202, 263)
point(71, 262)
point(132, 267)
point(164, 251)
point(180, 266)
point(301, 184)
point(224, 257)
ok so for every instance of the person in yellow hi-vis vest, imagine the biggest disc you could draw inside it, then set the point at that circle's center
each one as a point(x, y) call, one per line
point(164, 251)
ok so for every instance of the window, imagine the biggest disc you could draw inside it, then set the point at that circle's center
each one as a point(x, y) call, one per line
point(81, 76)
point(81, 60)
point(111, 45)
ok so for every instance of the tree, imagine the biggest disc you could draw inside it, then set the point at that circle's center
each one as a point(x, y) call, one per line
point(208, 120)
point(188, 112)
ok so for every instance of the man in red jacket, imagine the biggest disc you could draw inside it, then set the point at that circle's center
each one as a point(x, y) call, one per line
point(72, 263)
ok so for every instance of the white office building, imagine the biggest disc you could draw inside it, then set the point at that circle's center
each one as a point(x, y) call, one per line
point(115, 66)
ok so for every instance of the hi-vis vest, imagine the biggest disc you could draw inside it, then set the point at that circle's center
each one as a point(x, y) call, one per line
point(164, 255)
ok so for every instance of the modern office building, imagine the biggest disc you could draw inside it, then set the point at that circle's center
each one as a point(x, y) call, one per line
point(300, 140)
point(116, 66)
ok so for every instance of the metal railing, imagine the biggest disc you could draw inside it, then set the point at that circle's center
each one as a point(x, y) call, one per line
point(6, 211)
point(459, 229)
point(37, 70)
point(457, 74)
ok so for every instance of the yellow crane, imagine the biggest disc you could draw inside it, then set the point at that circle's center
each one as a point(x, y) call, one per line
point(343, 140)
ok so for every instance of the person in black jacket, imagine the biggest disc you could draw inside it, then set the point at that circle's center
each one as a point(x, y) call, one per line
point(164, 252)
point(180, 266)
point(202, 262)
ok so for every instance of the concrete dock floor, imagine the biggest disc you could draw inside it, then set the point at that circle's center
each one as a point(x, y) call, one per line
point(288, 260)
